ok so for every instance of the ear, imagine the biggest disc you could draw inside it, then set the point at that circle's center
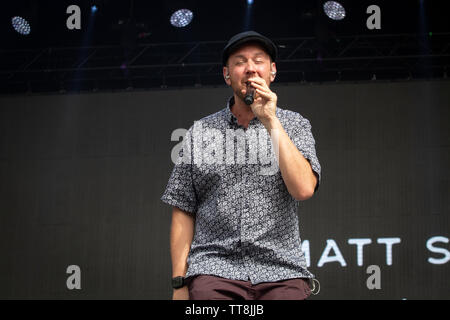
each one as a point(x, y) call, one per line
point(226, 76)
point(273, 71)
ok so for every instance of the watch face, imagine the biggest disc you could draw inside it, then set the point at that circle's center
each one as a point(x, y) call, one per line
point(177, 282)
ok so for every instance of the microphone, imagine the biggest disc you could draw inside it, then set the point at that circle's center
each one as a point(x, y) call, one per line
point(249, 96)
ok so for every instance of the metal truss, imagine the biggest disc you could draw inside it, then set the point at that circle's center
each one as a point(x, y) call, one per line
point(195, 64)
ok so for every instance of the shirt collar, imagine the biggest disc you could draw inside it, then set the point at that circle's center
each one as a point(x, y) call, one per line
point(228, 114)
point(230, 117)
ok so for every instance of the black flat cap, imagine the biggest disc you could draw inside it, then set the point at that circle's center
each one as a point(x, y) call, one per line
point(248, 36)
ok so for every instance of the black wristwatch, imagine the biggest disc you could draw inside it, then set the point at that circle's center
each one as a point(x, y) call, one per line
point(178, 282)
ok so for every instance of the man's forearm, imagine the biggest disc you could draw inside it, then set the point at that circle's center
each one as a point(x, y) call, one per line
point(296, 171)
point(181, 235)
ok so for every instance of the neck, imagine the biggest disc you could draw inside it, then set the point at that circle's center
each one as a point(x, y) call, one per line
point(241, 111)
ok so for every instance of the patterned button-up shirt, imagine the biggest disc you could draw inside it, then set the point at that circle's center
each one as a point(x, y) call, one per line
point(227, 177)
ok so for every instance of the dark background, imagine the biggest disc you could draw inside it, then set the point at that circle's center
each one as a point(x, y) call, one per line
point(81, 176)
point(86, 118)
point(130, 44)
point(212, 20)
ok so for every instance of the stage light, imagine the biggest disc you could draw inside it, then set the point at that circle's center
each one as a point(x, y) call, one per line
point(249, 2)
point(181, 18)
point(21, 25)
point(94, 9)
point(334, 10)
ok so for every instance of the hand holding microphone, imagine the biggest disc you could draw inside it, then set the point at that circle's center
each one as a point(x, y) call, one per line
point(261, 99)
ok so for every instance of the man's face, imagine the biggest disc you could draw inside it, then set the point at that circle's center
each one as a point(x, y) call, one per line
point(247, 62)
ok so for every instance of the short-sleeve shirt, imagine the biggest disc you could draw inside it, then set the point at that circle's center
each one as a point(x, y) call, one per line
point(227, 177)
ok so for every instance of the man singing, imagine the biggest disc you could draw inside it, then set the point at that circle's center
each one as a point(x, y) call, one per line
point(235, 231)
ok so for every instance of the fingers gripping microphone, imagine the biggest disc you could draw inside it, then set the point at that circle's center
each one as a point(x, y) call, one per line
point(249, 96)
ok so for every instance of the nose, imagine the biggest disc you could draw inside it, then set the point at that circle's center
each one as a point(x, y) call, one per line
point(250, 68)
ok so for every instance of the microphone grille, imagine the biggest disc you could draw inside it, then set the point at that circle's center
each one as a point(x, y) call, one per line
point(248, 100)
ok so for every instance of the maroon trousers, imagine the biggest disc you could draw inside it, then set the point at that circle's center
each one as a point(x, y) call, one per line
point(207, 287)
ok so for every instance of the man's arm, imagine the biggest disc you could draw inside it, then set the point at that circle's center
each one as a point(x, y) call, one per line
point(181, 235)
point(296, 171)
